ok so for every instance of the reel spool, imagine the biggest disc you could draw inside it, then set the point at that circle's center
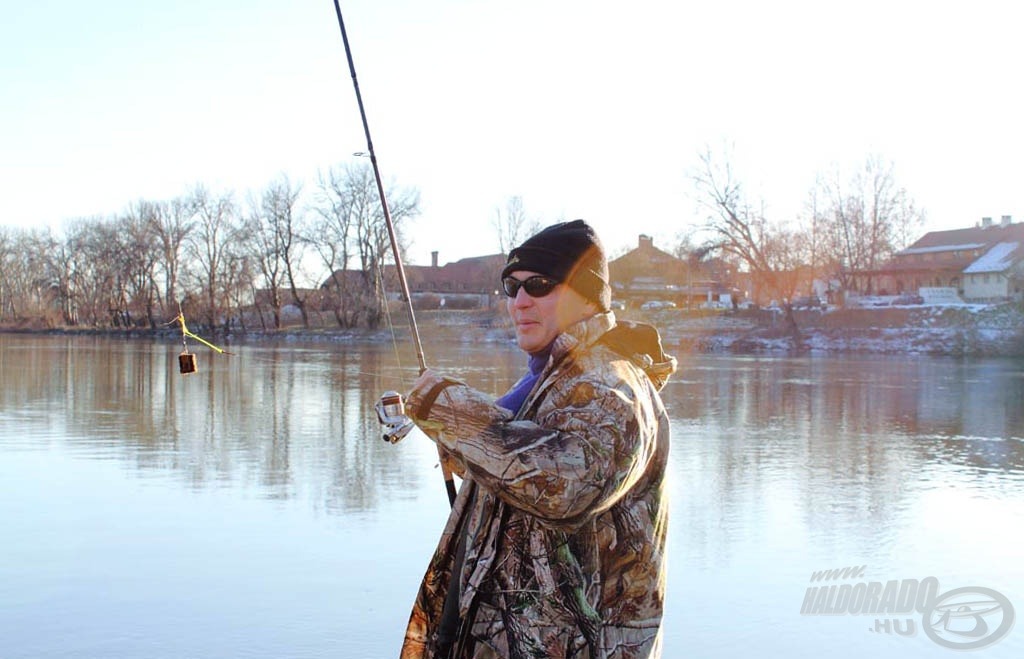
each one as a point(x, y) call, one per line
point(391, 414)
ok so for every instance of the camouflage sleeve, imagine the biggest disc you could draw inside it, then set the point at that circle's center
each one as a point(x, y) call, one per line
point(432, 392)
point(585, 449)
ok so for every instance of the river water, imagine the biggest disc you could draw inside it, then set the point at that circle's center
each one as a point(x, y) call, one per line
point(251, 509)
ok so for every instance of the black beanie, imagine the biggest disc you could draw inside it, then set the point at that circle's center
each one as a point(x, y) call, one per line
point(571, 253)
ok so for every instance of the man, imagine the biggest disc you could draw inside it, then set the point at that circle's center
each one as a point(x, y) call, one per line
point(555, 546)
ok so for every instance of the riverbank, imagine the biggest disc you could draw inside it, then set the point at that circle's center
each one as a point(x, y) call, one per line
point(963, 330)
point(974, 330)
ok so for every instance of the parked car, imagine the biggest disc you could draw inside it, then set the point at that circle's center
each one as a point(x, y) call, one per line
point(909, 299)
point(657, 304)
point(808, 302)
point(618, 305)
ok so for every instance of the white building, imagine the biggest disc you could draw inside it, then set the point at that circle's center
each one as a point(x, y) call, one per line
point(997, 274)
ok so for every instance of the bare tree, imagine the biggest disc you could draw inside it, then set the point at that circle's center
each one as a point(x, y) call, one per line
point(63, 262)
point(864, 221)
point(88, 260)
point(172, 222)
point(273, 233)
point(512, 225)
point(351, 204)
point(137, 255)
point(238, 282)
point(261, 241)
point(217, 225)
point(28, 283)
point(371, 240)
point(771, 252)
point(139, 266)
point(282, 219)
point(331, 235)
point(8, 262)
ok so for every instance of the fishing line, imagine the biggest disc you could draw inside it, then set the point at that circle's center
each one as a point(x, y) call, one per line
point(385, 377)
point(399, 270)
point(187, 360)
point(387, 314)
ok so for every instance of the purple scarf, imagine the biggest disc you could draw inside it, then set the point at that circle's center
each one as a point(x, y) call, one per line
point(514, 398)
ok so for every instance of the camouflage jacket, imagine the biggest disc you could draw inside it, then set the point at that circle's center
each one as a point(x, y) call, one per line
point(562, 512)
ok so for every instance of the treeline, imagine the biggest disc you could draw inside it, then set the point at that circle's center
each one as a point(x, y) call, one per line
point(219, 257)
point(213, 256)
point(847, 231)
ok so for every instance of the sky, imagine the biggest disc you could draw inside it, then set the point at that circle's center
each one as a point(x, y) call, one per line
point(587, 109)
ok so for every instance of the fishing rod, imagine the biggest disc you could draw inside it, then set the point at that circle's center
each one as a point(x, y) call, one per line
point(391, 402)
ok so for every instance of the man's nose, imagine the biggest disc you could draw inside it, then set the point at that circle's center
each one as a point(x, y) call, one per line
point(522, 298)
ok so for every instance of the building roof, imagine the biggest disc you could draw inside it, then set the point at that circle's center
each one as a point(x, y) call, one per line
point(646, 263)
point(941, 248)
point(984, 248)
point(970, 238)
point(997, 259)
point(645, 255)
point(475, 274)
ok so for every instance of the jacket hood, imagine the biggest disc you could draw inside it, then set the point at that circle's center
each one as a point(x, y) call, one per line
point(638, 342)
point(641, 344)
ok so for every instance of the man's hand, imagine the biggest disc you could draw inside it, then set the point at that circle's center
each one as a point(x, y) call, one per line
point(417, 406)
point(423, 394)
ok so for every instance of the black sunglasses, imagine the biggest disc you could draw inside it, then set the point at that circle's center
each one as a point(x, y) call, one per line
point(535, 286)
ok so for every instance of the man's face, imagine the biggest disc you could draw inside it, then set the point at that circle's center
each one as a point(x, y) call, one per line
point(538, 320)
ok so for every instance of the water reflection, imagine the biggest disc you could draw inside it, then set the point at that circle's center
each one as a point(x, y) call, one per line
point(780, 466)
point(289, 420)
point(844, 443)
point(298, 420)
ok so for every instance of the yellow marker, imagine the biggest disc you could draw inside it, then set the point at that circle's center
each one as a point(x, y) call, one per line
point(186, 360)
point(185, 332)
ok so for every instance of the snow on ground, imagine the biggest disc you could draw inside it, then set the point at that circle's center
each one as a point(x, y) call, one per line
point(961, 329)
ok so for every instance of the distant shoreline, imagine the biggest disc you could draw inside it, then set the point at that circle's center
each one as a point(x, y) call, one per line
point(949, 331)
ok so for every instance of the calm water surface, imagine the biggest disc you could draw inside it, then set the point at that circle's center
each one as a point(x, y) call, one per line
point(251, 510)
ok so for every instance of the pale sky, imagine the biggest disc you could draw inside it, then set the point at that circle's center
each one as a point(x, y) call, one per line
point(584, 109)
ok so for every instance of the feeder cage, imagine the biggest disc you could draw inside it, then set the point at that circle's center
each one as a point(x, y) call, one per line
point(186, 363)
